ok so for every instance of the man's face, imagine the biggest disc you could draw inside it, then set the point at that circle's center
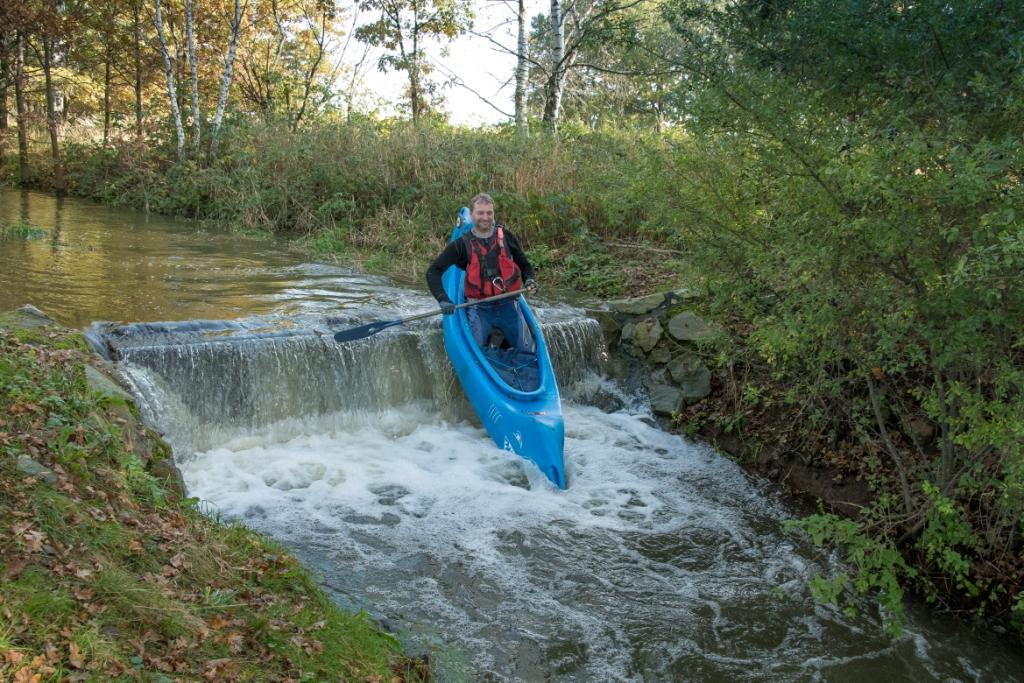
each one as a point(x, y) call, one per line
point(483, 216)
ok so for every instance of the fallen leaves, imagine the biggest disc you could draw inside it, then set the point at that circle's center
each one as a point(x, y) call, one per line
point(75, 656)
point(221, 669)
point(139, 580)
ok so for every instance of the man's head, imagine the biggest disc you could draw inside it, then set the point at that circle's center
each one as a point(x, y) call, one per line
point(481, 210)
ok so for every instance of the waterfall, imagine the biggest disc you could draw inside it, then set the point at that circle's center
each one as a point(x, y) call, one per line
point(202, 382)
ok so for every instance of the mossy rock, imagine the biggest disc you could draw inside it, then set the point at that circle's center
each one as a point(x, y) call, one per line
point(639, 305)
point(647, 334)
point(105, 386)
point(687, 326)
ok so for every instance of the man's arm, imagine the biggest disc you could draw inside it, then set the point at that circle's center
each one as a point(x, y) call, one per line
point(447, 258)
point(519, 256)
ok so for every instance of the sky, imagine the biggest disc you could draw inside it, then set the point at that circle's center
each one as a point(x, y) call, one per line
point(474, 61)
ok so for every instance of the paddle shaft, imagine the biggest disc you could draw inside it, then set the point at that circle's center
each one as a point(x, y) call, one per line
point(496, 297)
point(373, 328)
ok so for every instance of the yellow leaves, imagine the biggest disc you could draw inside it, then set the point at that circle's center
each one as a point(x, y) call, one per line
point(75, 656)
point(26, 676)
point(25, 670)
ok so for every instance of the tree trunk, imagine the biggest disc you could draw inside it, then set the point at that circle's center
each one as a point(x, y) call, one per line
point(309, 75)
point(196, 116)
point(19, 99)
point(172, 95)
point(106, 96)
point(225, 81)
point(522, 71)
point(5, 77)
point(556, 81)
point(414, 67)
point(137, 29)
point(51, 117)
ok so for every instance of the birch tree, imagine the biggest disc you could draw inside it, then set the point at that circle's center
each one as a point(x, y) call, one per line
point(172, 94)
point(225, 81)
point(196, 113)
point(522, 69)
point(559, 67)
point(51, 115)
point(571, 27)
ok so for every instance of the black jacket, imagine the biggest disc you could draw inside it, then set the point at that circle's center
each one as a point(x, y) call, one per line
point(457, 254)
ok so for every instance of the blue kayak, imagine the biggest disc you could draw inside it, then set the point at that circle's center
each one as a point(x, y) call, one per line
point(514, 394)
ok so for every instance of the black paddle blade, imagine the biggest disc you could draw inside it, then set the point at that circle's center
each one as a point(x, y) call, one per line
point(365, 330)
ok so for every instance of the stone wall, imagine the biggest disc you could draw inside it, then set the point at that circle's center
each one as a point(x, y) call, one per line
point(654, 343)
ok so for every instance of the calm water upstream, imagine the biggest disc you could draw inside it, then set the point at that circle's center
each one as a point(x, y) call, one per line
point(662, 561)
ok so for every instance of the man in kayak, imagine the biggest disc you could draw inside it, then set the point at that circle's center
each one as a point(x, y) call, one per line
point(494, 263)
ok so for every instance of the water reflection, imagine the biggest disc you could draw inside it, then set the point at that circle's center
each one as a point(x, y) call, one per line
point(102, 263)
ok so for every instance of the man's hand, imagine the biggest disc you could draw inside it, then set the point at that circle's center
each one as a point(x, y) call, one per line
point(531, 286)
point(447, 307)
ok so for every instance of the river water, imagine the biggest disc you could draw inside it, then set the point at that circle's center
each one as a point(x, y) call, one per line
point(662, 561)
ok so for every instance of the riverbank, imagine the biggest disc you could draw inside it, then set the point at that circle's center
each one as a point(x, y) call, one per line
point(704, 381)
point(876, 345)
point(110, 571)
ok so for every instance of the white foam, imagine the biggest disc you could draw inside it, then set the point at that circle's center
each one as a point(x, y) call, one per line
point(660, 555)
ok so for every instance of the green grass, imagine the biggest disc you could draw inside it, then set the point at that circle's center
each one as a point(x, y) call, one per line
point(111, 573)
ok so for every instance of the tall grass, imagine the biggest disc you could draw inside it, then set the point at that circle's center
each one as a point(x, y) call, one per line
point(389, 192)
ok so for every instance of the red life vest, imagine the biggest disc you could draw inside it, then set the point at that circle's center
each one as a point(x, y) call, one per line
point(491, 269)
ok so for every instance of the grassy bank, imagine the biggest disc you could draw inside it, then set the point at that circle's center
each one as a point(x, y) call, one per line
point(108, 573)
point(383, 195)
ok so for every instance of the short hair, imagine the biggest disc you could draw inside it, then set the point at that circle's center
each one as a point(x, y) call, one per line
point(482, 198)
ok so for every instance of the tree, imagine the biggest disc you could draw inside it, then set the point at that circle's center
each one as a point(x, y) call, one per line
point(403, 27)
point(282, 70)
point(522, 67)
point(172, 94)
point(194, 67)
point(225, 81)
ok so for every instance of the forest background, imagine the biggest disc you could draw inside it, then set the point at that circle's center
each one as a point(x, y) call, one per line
point(841, 179)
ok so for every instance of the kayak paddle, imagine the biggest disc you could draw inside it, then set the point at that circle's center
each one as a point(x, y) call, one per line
point(369, 329)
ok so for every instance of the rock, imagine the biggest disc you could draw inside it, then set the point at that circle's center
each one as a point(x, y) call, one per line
point(30, 310)
point(31, 468)
point(639, 305)
point(666, 399)
point(693, 378)
point(647, 333)
point(686, 326)
point(618, 369)
point(660, 355)
point(102, 384)
point(679, 295)
point(627, 332)
point(610, 325)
